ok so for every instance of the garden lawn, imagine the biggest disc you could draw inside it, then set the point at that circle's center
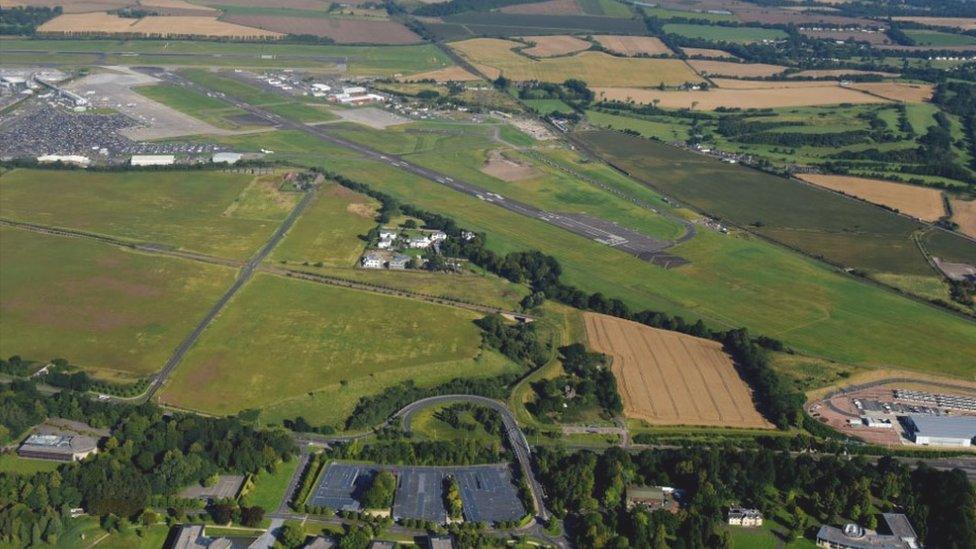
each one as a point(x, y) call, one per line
point(313, 350)
point(113, 312)
point(269, 488)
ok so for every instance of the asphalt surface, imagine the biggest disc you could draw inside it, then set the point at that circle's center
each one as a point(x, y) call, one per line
point(598, 230)
point(517, 441)
point(247, 271)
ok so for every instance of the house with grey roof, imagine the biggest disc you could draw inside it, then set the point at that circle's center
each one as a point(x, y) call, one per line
point(899, 534)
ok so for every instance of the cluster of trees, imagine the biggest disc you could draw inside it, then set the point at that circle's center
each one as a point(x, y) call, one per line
point(452, 498)
point(380, 493)
point(229, 510)
point(542, 273)
point(65, 376)
point(148, 455)
point(775, 396)
point(489, 419)
point(587, 383)
point(374, 409)
point(589, 489)
point(24, 20)
point(457, 6)
point(403, 451)
point(573, 92)
point(519, 341)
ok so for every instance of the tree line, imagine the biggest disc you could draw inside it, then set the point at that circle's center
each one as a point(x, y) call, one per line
point(802, 492)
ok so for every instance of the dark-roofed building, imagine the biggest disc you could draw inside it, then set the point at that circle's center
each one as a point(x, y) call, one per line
point(899, 535)
point(192, 536)
point(321, 542)
point(440, 542)
point(62, 446)
point(935, 430)
point(653, 497)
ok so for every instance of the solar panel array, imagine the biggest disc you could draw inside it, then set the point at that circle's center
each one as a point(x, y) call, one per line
point(487, 491)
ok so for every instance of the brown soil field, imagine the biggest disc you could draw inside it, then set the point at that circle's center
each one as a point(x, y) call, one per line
point(342, 31)
point(633, 45)
point(897, 91)
point(552, 7)
point(874, 38)
point(726, 68)
point(964, 213)
point(81, 6)
point(668, 378)
point(448, 74)
point(745, 99)
point(964, 23)
point(707, 52)
point(733, 84)
point(833, 73)
point(921, 202)
point(552, 46)
point(500, 167)
point(103, 23)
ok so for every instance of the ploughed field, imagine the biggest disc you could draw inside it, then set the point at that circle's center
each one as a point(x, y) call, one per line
point(668, 378)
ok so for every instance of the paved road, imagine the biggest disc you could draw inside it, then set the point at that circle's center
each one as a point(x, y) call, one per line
point(247, 271)
point(516, 439)
point(624, 239)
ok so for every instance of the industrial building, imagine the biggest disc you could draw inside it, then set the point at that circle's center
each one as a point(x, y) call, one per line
point(152, 160)
point(75, 159)
point(58, 447)
point(899, 534)
point(226, 158)
point(941, 430)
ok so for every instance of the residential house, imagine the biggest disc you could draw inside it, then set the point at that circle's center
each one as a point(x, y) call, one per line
point(653, 497)
point(739, 516)
point(373, 260)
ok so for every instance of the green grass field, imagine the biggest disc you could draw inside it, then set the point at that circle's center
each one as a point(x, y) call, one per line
point(924, 37)
point(328, 232)
point(607, 8)
point(195, 210)
point(648, 128)
point(12, 463)
point(298, 348)
point(208, 109)
point(546, 106)
point(739, 35)
point(362, 60)
point(269, 488)
point(425, 425)
point(110, 311)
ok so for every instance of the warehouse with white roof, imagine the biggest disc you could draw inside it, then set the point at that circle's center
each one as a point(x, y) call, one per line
point(941, 430)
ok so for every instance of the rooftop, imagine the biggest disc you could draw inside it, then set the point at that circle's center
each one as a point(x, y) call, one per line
point(59, 443)
point(944, 426)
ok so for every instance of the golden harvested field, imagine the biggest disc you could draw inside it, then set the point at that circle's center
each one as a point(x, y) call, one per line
point(103, 23)
point(707, 52)
point(175, 4)
point(448, 74)
point(837, 73)
point(668, 378)
point(897, 91)
point(632, 45)
point(80, 6)
point(551, 46)
point(726, 68)
point(552, 7)
point(495, 57)
point(964, 23)
point(921, 202)
point(733, 84)
point(744, 99)
point(964, 213)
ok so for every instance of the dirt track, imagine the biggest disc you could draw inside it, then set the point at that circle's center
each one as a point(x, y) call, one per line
point(667, 378)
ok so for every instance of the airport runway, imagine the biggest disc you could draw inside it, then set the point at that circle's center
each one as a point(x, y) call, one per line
point(639, 245)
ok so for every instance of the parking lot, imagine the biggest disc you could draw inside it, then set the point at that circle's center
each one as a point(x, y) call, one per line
point(488, 493)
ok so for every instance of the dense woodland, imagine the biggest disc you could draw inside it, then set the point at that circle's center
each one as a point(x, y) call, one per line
point(24, 20)
point(148, 457)
point(800, 493)
point(587, 384)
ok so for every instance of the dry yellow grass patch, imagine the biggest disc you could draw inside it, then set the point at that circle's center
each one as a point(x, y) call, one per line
point(500, 167)
point(668, 378)
point(897, 91)
point(632, 45)
point(921, 202)
point(743, 99)
point(495, 57)
point(726, 68)
point(455, 73)
point(964, 213)
point(74, 6)
point(551, 46)
point(732, 84)
point(103, 23)
point(964, 23)
point(175, 4)
point(708, 52)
